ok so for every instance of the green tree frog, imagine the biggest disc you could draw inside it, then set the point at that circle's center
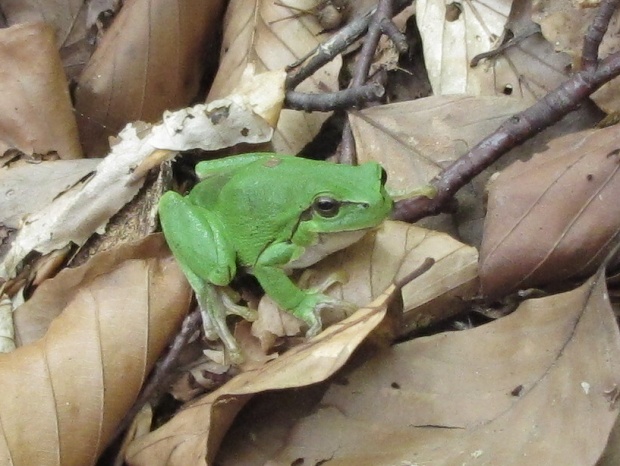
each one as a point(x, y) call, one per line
point(269, 214)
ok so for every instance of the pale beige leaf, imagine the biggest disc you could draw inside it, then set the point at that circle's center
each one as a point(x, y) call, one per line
point(7, 332)
point(35, 108)
point(528, 56)
point(70, 389)
point(564, 24)
point(150, 60)
point(28, 186)
point(554, 216)
point(535, 386)
point(192, 437)
point(452, 34)
point(262, 34)
point(82, 210)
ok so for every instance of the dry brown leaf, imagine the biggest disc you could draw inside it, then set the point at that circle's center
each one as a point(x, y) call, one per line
point(536, 385)
point(452, 34)
point(267, 36)
point(66, 392)
point(150, 60)
point(390, 254)
point(70, 20)
point(552, 218)
point(414, 140)
point(564, 24)
point(35, 107)
point(193, 436)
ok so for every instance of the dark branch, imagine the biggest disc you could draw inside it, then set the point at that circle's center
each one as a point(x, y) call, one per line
point(336, 44)
point(339, 100)
point(398, 38)
point(553, 107)
point(595, 33)
point(385, 11)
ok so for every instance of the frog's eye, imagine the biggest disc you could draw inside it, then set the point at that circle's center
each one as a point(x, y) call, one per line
point(383, 176)
point(326, 206)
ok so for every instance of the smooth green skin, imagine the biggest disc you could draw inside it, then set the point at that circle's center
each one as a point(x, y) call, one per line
point(256, 211)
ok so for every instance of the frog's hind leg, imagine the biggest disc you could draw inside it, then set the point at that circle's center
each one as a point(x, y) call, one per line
point(214, 312)
point(195, 237)
point(207, 261)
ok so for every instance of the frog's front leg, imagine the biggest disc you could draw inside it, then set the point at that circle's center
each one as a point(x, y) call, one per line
point(303, 304)
point(195, 236)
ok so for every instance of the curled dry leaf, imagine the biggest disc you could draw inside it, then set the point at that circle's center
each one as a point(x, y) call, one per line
point(35, 108)
point(66, 392)
point(28, 186)
point(193, 436)
point(564, 24)
point(265, 35)
point(453, 33)
point(537, 384)
point(553, 217)
point(82, 210)
point(151, 59)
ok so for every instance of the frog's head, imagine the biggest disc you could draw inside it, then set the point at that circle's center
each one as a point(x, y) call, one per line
point(348, 201)
point(353, 199)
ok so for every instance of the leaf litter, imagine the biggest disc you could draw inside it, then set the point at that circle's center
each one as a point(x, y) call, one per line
point(534, 384)
point(539, 382)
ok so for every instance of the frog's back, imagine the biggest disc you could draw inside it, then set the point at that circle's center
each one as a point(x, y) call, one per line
point(262, 202)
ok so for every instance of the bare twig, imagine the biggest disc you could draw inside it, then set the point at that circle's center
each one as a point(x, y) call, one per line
point(511, 133)
point(398, 38)
point(327, 51)
point(384, 13)
point(596, 31)
point(336, 44)
point(329, 101)
point(529, 31)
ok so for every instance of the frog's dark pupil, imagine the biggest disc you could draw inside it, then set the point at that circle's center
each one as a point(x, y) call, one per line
point(326, 206)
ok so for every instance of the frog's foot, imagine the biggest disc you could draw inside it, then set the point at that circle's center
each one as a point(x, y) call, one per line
point(215, 305)
point(309, 310)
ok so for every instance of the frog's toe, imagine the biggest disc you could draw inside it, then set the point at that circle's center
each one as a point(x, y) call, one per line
point(232, 308)
point(311, 313)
